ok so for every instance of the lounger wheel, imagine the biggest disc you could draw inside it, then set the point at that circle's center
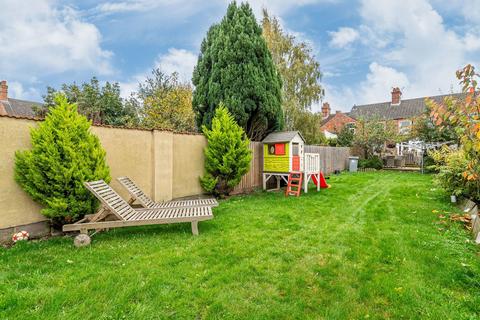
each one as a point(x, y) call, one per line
point(82, 240)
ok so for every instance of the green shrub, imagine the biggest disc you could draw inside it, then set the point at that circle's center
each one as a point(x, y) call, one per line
point(332, 142)
point(429, 164)
point(345, 136)
point(372, 162)
point(227, 155)
point(451, 165)
point(64, 154)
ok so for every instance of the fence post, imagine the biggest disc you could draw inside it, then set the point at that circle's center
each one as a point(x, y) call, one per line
point(162, 144)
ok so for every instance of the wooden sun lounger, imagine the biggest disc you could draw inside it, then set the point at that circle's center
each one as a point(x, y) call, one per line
point(117, 213)
point(138, 195)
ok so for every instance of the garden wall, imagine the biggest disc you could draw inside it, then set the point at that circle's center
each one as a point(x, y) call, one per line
point(165, 165)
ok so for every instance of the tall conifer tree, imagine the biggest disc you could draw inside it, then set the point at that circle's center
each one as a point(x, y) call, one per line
point(235, 67)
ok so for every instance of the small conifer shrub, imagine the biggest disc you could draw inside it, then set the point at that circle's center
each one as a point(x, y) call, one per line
point(63, 156)
point(227, 155)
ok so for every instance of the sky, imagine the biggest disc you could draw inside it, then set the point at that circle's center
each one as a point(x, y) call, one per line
point(365, 47)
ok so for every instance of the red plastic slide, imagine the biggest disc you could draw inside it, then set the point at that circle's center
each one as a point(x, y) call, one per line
point(323, 182)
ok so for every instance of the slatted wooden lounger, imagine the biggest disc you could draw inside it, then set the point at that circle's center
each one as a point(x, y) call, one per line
point(137, 194)
point(116, 213)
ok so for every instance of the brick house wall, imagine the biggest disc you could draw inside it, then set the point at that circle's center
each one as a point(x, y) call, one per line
point(399, 121)
point(336, 122)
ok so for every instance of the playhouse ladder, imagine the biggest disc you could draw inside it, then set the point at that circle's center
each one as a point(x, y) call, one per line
point(294, 185)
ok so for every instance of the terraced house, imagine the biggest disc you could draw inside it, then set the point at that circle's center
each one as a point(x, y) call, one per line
point(402, 112)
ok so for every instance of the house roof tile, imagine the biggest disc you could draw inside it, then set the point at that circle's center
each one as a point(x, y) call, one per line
point(20, 108)
point(407, 108)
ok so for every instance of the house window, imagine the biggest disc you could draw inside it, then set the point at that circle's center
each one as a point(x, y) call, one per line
point(351, 126)
point(404, 126)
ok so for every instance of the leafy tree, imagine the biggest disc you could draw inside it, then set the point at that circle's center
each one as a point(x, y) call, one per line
point(64, 154)
point(235, 67)
point(227, 155)
point(345, 137)
point(450, 164)
point(425, 129)
point(164, 102)
point(371, 135)
point(463, 114)
point(310, 128)
point(100, 104)
point(300, 73)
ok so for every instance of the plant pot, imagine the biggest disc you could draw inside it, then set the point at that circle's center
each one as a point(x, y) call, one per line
point(453, 198)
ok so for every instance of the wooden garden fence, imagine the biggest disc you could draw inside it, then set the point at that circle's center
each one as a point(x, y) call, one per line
point(331, 159)
point(253, 178)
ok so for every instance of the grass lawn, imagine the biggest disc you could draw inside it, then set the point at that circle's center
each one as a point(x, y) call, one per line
point(369, 247)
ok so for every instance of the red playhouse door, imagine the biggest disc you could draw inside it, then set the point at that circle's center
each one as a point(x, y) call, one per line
point(296, 163)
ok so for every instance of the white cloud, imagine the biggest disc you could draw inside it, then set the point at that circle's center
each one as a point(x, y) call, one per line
point(126, 6)
point(469, 9)
point(379, 83)
point(424, 46)
point(418, 51)
point(343, 37)
point(178, 60)
point(40, 37)
point(279, 7)
point(188, 7)
point(175, 60)
point(17, 91)
point(181, 8)
point(471, 42)
point(376, 87)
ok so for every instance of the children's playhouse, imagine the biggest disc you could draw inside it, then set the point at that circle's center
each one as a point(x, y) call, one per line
point(284, 157)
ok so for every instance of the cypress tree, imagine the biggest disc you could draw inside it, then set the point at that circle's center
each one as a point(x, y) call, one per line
point(64, 154)
point(227, 155)
point(235, 67)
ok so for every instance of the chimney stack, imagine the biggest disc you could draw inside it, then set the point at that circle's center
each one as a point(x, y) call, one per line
point(3, 90)
point(338, 112)
point(396, 96)
point(325, 110)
